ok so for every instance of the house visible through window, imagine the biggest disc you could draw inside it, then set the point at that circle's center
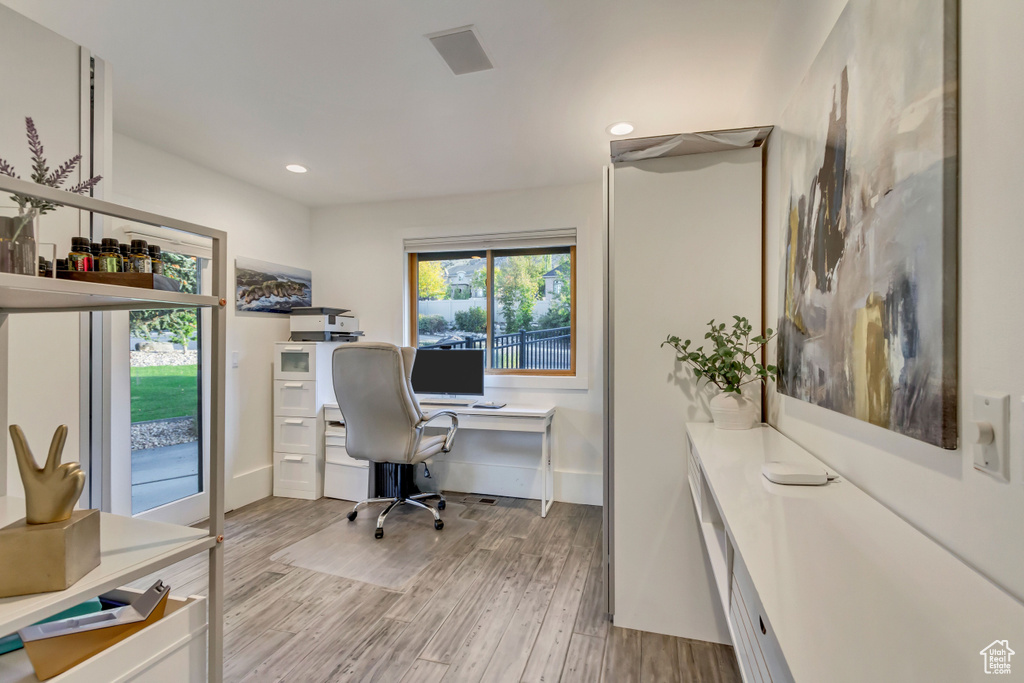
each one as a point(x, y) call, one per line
point(518, 304)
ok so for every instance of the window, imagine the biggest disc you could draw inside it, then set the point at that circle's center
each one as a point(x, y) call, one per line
point(519, 304)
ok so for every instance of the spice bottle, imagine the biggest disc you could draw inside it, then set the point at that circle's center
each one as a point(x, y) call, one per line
point(141, 263)
point(61, 264)
point(110, 257)
point(126, 258)
point(80, 257)
point(96, 248)
point(156, 260)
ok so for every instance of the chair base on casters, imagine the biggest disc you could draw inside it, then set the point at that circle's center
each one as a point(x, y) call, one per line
point(416, 500)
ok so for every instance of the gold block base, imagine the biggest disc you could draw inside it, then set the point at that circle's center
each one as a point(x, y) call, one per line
point(39, 558)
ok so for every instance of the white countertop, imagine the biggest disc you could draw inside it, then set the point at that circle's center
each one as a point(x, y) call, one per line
point(852, 591)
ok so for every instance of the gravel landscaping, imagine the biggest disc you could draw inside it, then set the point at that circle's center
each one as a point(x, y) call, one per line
point(157, 433)
point(148, 359)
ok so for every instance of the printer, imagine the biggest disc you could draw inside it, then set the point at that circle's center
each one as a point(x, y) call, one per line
point(309, 323)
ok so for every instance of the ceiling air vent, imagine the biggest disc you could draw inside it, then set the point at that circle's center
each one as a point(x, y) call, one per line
point(461, 50)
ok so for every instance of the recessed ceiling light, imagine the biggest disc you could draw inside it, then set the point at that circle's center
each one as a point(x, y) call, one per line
point(621, 128)
point(299, 168)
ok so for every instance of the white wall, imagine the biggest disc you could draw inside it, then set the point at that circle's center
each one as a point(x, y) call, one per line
point(938, 491)
point(260, 225)
point(359, 264)
point(686, 249)
point(43, 356)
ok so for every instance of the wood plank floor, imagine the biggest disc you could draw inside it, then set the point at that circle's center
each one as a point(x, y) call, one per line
point(518, 600)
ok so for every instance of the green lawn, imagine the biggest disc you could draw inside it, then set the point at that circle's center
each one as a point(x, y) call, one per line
point(164, 391)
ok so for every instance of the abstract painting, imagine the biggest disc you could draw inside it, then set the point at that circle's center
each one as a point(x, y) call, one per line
point(263, 287)
point(869, 182)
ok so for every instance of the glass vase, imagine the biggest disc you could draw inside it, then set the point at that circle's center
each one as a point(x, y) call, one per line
point(18, 247)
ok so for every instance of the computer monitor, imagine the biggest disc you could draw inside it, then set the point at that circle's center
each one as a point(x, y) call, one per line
point(449, 371)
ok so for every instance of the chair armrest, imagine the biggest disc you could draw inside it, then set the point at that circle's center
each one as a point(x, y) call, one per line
point(433, 415)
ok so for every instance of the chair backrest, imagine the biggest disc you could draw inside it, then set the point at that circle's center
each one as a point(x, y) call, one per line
point(373, 384)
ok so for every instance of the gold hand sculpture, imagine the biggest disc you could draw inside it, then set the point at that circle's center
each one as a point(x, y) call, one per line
point(50, 492)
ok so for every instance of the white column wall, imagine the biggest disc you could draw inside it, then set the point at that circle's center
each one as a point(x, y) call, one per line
point(686, 249)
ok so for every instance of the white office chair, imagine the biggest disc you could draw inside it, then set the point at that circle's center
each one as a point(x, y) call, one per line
point(383, 420)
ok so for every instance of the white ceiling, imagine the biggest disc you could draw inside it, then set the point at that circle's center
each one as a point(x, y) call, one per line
point(353, 90)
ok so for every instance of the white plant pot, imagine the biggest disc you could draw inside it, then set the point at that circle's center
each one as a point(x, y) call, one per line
point(733, 411)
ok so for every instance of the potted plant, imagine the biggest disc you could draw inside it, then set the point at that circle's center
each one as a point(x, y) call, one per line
point(730, 364)
point(18, 252)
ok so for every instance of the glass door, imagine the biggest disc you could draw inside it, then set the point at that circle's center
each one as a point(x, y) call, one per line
point(166, 389)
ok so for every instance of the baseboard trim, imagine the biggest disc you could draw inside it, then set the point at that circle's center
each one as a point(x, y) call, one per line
point(249, 487)
point(509, 480)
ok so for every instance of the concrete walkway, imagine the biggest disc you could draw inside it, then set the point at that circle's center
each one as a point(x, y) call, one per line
point(164, 475)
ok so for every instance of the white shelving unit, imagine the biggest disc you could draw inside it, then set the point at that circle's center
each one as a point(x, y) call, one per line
point(130, 548)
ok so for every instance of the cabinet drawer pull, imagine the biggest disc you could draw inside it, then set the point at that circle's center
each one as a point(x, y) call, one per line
point(293, 348)
point(294, 458)
point(294, 421)
point(293, 385)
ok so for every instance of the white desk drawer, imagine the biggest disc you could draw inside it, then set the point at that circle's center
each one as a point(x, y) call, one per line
point(294, 472)
point(334, 440)
point(295, 398)
point(346, 482)
point(295, 361)
point(339, 456)
point(758, 646)
point(172, 650)
point(332, 413)
point(295, 434)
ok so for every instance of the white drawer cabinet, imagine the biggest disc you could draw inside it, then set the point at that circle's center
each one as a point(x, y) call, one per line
point(302, 386)
point(172, 650)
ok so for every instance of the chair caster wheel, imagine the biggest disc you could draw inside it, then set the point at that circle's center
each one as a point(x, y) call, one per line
point(438, 524)
point(352, 516)
point(378, 533)
point(441, 505)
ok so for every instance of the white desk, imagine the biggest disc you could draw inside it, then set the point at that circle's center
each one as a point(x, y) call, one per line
point(847, 590)
point(512, 418)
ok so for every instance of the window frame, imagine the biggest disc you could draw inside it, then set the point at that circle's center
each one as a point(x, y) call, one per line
point(413, 294)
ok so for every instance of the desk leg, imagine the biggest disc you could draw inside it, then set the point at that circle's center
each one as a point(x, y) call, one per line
point(548, 474)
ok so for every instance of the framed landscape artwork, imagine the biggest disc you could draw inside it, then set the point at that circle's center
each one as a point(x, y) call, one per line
point(869, 179)
point(263, 287)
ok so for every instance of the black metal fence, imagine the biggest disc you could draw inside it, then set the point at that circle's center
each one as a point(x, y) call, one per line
point(526, 350)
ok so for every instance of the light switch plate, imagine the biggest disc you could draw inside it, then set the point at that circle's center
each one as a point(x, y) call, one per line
point(234, 359)
point(993, 458)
